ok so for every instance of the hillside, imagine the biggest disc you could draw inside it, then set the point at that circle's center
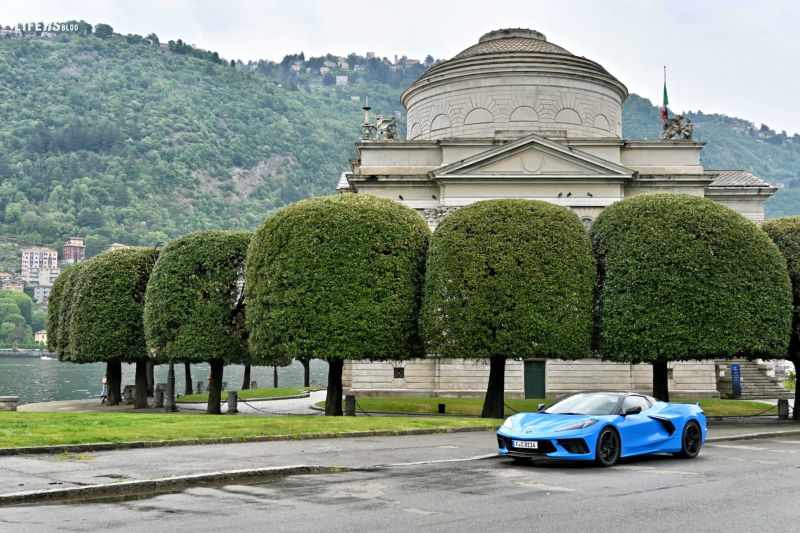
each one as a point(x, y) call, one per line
point(134, 143)
point(117, 139)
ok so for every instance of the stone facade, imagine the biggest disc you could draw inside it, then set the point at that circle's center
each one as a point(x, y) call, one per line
point(515, 116)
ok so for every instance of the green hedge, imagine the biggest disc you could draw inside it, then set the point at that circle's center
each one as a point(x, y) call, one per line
point(785, 233)
point(59, 310)
point(685, 278)
point(509, 278)
point(193, 308)
point(336, 278)
point(107, 306)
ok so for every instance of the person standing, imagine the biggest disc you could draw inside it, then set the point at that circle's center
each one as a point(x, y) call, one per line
point(104, 390)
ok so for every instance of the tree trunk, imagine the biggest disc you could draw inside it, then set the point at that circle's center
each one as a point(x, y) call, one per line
point(151, 377)
point(306, 371)
point(215, 387)
point(495, 392)
point(246, 382)
point(275, 377)
point(333, 400)
point(140, 394)
point(187, 389)
point(660, 381)
point(114, 376)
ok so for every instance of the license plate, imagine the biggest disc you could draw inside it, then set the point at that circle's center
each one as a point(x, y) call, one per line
point(530, 444)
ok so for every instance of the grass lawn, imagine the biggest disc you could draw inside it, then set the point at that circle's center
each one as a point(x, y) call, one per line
point(249, 394)
point(39, 429)
point(472, 406)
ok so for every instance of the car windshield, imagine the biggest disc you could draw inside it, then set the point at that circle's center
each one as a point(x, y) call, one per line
point(586, 404)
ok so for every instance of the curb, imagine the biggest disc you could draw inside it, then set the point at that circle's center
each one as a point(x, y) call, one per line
point(751, 436)
point(165, 485)
point(105, 446)
point(298, 396)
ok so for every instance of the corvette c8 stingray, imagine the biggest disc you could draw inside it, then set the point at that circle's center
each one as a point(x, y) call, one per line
point(603, 427)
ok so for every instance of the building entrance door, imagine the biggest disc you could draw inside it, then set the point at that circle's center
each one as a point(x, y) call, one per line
point(535, 379)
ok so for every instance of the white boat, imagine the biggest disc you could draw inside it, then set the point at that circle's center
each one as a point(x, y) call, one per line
point(46, 358)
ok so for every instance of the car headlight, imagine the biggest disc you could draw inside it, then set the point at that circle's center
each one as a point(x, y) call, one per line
point(580, 425)
point(509, 423)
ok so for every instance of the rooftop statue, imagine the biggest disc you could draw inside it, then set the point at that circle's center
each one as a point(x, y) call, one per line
point(675, 127)
point(386, 128)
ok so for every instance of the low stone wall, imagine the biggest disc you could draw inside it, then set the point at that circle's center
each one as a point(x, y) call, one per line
point(469, 377)
point(9, 403)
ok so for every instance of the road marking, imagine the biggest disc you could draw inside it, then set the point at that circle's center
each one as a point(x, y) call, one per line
point(419, 511)
point(473, 458)
point(739, 447)
point(657, 471)
point(543, 487)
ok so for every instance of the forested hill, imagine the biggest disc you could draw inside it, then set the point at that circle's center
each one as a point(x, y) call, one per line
point(118, 139)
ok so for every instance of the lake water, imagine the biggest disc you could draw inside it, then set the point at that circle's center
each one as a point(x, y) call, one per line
point(38, 380)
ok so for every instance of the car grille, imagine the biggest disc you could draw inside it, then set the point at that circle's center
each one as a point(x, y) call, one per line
point(574, 445)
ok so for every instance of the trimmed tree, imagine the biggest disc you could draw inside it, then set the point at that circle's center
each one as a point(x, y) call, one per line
point(336, 278)
point(508, 278)
point(194, 310)
point(106, 322)
point(685, 278)
point(785, 233)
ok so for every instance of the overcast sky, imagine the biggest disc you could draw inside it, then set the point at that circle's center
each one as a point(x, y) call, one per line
point(737, 57)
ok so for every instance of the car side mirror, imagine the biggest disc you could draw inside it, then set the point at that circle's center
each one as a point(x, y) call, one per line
point(633, 410)
point(541, 406)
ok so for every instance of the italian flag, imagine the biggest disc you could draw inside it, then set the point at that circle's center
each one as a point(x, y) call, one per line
point(664, 110)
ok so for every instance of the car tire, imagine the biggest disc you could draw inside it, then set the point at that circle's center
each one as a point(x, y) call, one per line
point(608, 447)
point(691, 440)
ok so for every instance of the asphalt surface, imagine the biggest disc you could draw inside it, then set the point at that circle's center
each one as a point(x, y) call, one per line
point(732, 486)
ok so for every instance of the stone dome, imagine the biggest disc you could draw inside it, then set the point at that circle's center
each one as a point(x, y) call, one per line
point(511, 40)
point(514, 82)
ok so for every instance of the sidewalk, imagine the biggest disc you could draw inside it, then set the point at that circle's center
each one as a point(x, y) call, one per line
point(292, 406)
point(53, 476)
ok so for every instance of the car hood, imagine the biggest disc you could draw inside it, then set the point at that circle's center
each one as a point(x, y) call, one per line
point(543, 422)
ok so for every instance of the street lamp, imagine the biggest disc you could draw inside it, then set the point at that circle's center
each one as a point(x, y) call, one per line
point(169, 402)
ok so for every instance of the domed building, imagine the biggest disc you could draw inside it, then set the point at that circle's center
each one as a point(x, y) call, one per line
point(516, 116)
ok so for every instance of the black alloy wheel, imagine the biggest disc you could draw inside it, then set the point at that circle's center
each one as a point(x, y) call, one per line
point(608, 447)
point(691, 440)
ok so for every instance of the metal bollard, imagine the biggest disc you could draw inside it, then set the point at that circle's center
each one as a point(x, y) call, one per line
point(350, 405)
point(233, 400)
point(783, 409)
point(441, 408)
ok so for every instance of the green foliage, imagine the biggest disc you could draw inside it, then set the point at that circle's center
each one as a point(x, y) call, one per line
point(16, 318)
point(336, 278)
point(785, 233)
point(107, 306)
point(509, 278)
point(194, 309)
point(685, 278)
point(133, 143)
point(59, 310)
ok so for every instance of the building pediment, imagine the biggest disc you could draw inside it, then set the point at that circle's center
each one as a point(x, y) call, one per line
point(533, 156)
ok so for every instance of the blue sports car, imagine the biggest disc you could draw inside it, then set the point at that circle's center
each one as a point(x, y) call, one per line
point(602, 427)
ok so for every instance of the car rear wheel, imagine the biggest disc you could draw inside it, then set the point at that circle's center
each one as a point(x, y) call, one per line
point(691, 440)
point(608, 447)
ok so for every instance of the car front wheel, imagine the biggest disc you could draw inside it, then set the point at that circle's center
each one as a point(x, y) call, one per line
point(608, 447)
point(691, 440)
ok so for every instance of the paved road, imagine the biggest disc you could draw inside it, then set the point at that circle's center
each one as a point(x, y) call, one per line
point(733, 486)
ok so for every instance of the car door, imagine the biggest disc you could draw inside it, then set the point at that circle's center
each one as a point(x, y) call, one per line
point(639, 433)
